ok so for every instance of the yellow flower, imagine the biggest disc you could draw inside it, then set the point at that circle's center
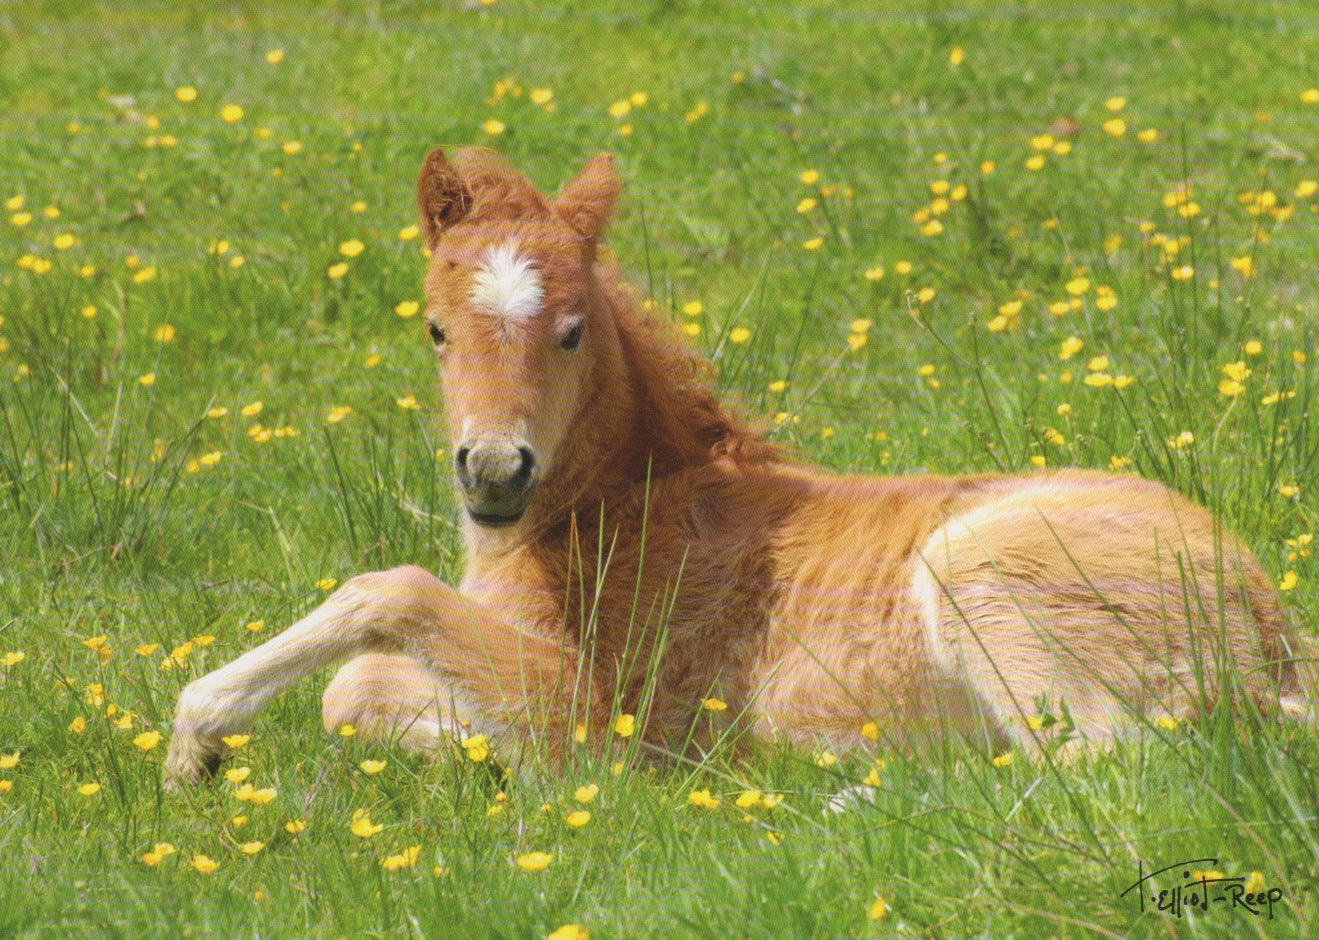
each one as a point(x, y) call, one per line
point(1149, 135)
point(1115, 127)
point(407, 308)
point(570, 932)
point(372, 766)
point(231, 113)
point(362, 826)
point(1097, 364)
point(351, 248)
point(1310, 96)
point(347, 731)
point(739, 334)
point(620, 108)
point(142, 275)
point(693, 308)
point(147, 740)
point(625, 726)
point(825, 760)
point(477, 748)
point(1002, 760)
point(1289, 490)
point(336, 271)
point(956, 56)
point(405, 859)
point(1117, 463)
point(338, 413)
point(148, 379)
point(1035, 163)
point(236, 741)
point(874, 274)
point(157, 854)
point(88, 312)
point(62, 242)
point(809, 177)
point(78, 725)
point(540, 96)
point(237, 775)
point(292, 147)
point(813, 243)
point(534, 861)
point(163, 333)
point(204, 864)
point(1116, 103)
point(251, 848)
point(925, 294)
point(10, 761)
point(703, 799)
point(408, 403)
point(1183, 273)
point(870, 730)
point(1167, 722)
point(20, 219)
point(878, 909)
point(493, 127)
point(1288, 581)
point(1255, 883)
point(585, 794)
point(577, 818)
point(275, 56)
point(1078, 286)
point(806, 205)
point(295, 826)
point(90, 789)
point(13, 658)
point(1070, 347)
point(714, 705)
point(1098, 380)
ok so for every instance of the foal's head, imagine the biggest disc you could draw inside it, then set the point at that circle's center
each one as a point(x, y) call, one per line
point(513, 312)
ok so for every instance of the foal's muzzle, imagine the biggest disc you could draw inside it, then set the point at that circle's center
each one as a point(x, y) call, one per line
point(497, 479)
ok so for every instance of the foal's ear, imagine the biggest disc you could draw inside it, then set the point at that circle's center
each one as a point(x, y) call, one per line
point(587, 202)
point(442, 196)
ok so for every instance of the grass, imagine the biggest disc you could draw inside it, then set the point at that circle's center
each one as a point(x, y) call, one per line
point(114, 525)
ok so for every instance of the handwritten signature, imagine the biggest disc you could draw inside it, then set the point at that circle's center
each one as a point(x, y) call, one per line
point(1202, 887)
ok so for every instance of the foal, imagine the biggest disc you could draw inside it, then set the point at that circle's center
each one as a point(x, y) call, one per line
point(633, 548)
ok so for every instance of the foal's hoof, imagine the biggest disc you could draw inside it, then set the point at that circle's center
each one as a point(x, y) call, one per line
point(190, 762)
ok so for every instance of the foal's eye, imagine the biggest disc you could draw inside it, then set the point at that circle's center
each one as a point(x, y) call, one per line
point(437, 335)
point(574, 338)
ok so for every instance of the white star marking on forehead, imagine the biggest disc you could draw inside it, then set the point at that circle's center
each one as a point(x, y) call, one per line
point(506, 285)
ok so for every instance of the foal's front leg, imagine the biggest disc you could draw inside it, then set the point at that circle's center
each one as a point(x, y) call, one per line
point(403, 610)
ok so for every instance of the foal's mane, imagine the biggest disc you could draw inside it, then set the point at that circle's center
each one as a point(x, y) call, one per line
point(680, 418)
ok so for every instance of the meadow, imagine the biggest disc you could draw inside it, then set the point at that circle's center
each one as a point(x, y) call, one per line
point(915, 237)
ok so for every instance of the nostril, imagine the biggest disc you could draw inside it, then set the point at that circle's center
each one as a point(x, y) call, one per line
point(528, 465)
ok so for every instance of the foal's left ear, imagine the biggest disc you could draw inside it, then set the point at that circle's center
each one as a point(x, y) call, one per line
point(442, 196)
point(587, 202)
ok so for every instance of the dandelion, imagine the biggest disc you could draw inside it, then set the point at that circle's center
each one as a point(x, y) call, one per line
point(204, 864)
point(625, 726)
point(577, 818)
point(143, 275)
point(714, 705)
point(1255, 883)
point(493, 127)
point(540, 96)
point(292, 147)
point(534, 861)
point(409, 402)
point(147, 740)
point(295, 826)
point(89, 789)
point(703, 799)
point(407, 308)
point(147, 379)
point(806, 205)
point(1115, 127)
point(327, 584)
point(275, 56)
point(1077, 286)
point(231, 113)
point(874, 274)
point(1183, 273)
point(372, 766)
point(251, 848)
point(878, 909)
point(10, 761)
point(237, 775)
point(586, 793)
point(351, 248)
point(809, 177)
point(1167, 722)
point(78, 725)
point(337, 270)
point(88, 312)
point(956, 56)
point(1002, 760)
point(1288, 582)
point(13, 658)
point(811, 244)
point(925, 294)
point(1035, 163)
point(157, 854)
point(20, 219)
point(163, 333)
point(825, 760)
point(62, 242)
point(1310, 96)
point(338, 413)
point(739, 334)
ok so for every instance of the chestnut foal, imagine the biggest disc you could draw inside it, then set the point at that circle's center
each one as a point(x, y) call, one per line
point(632, 547)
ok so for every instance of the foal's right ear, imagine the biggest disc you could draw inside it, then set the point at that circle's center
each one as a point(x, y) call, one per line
point(442, 196)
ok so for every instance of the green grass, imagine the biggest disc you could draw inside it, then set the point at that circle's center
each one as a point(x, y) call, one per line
point(104, 529)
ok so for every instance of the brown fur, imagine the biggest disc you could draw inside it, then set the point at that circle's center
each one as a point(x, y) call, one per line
point(664, 531)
